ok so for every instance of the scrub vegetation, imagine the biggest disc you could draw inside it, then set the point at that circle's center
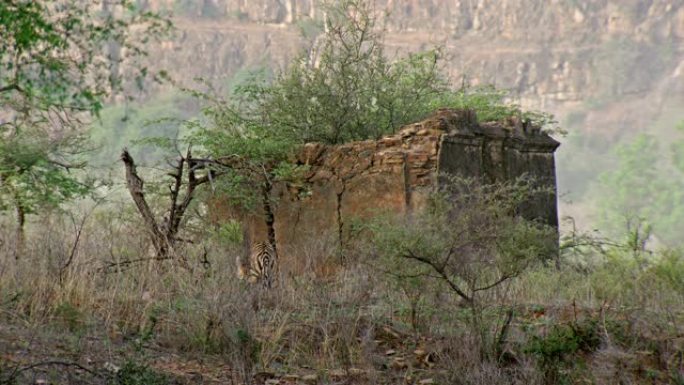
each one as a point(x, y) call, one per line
point(99, 288)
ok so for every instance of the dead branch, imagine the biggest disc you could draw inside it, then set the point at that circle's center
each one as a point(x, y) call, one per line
point(129, 262)
point(74, 246)
point(499, 281)
point(442, 274)
point(177, 176)
point(61, 363)
point(503, 334)
point(67, 166)
point(181, 194)
point(135, 187)
point(79, 231)
point(11, 87)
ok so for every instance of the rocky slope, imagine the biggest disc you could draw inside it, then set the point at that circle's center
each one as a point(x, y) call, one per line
point(550, 53)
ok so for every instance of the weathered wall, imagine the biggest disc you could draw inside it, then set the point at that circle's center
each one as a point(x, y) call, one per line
point(352, 181)
point(498, 152)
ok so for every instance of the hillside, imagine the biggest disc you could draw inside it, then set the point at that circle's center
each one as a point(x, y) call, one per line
point(560, 57)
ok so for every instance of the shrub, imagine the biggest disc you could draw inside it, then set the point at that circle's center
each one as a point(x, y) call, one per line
point(470, 240)
point(132, 373)
point(69, 315)
point(560, 345)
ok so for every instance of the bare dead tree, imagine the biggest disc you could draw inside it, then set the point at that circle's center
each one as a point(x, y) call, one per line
point(184, 183)
point(185, 180)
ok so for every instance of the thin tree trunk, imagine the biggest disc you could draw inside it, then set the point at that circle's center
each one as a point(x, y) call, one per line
point(135, 187)
point(268, 212)
point(19, 235)
point(243, 259)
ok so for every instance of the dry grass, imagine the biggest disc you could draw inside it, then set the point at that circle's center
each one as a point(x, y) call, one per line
point(339, 322)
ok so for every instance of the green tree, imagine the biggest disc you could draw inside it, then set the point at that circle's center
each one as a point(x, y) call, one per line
point(34, 174)
point(59, 62)
point(342, 88)
point(678, 149)
point(643, 186)
point(345, 88)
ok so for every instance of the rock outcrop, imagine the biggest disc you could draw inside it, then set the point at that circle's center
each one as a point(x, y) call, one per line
point(348, 182)
point(552, 54)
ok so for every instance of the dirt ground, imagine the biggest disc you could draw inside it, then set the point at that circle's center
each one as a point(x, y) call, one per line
point(46, 355)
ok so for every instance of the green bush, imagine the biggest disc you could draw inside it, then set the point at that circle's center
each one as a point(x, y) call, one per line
point(133, 373)
point(122, 125)
point(669, 269)
point(565, 340)
point(70, 316)
point(560, 346)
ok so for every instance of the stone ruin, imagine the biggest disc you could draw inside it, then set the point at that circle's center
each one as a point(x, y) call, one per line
point(398, 172)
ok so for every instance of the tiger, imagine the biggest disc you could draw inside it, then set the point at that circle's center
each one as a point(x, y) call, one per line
point(263, 262)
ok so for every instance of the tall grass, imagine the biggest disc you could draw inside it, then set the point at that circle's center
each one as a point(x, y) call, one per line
point(618, 319)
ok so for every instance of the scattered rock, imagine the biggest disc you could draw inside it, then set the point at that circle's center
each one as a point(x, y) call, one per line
point(406, 132)
point(341, 373)
point(290, 379)
point(356, 371)
point(110, 367)
point(399, 363)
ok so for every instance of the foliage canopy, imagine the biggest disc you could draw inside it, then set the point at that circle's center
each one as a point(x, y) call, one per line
point(59, 62)
point(643, 187)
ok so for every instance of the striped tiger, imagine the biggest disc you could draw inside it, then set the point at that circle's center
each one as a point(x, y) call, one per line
point(263, 262)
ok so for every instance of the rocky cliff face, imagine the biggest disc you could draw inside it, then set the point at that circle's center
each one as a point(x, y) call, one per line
point(553, 54)
point(397, 173)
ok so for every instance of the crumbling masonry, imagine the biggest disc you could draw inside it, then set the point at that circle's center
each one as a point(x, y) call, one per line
point(397, 172)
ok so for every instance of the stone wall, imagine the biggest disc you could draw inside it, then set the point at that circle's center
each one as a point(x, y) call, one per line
point(352, 181)
point(498, 152)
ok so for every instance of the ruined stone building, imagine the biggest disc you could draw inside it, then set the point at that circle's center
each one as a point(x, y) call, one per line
point(397, 173)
